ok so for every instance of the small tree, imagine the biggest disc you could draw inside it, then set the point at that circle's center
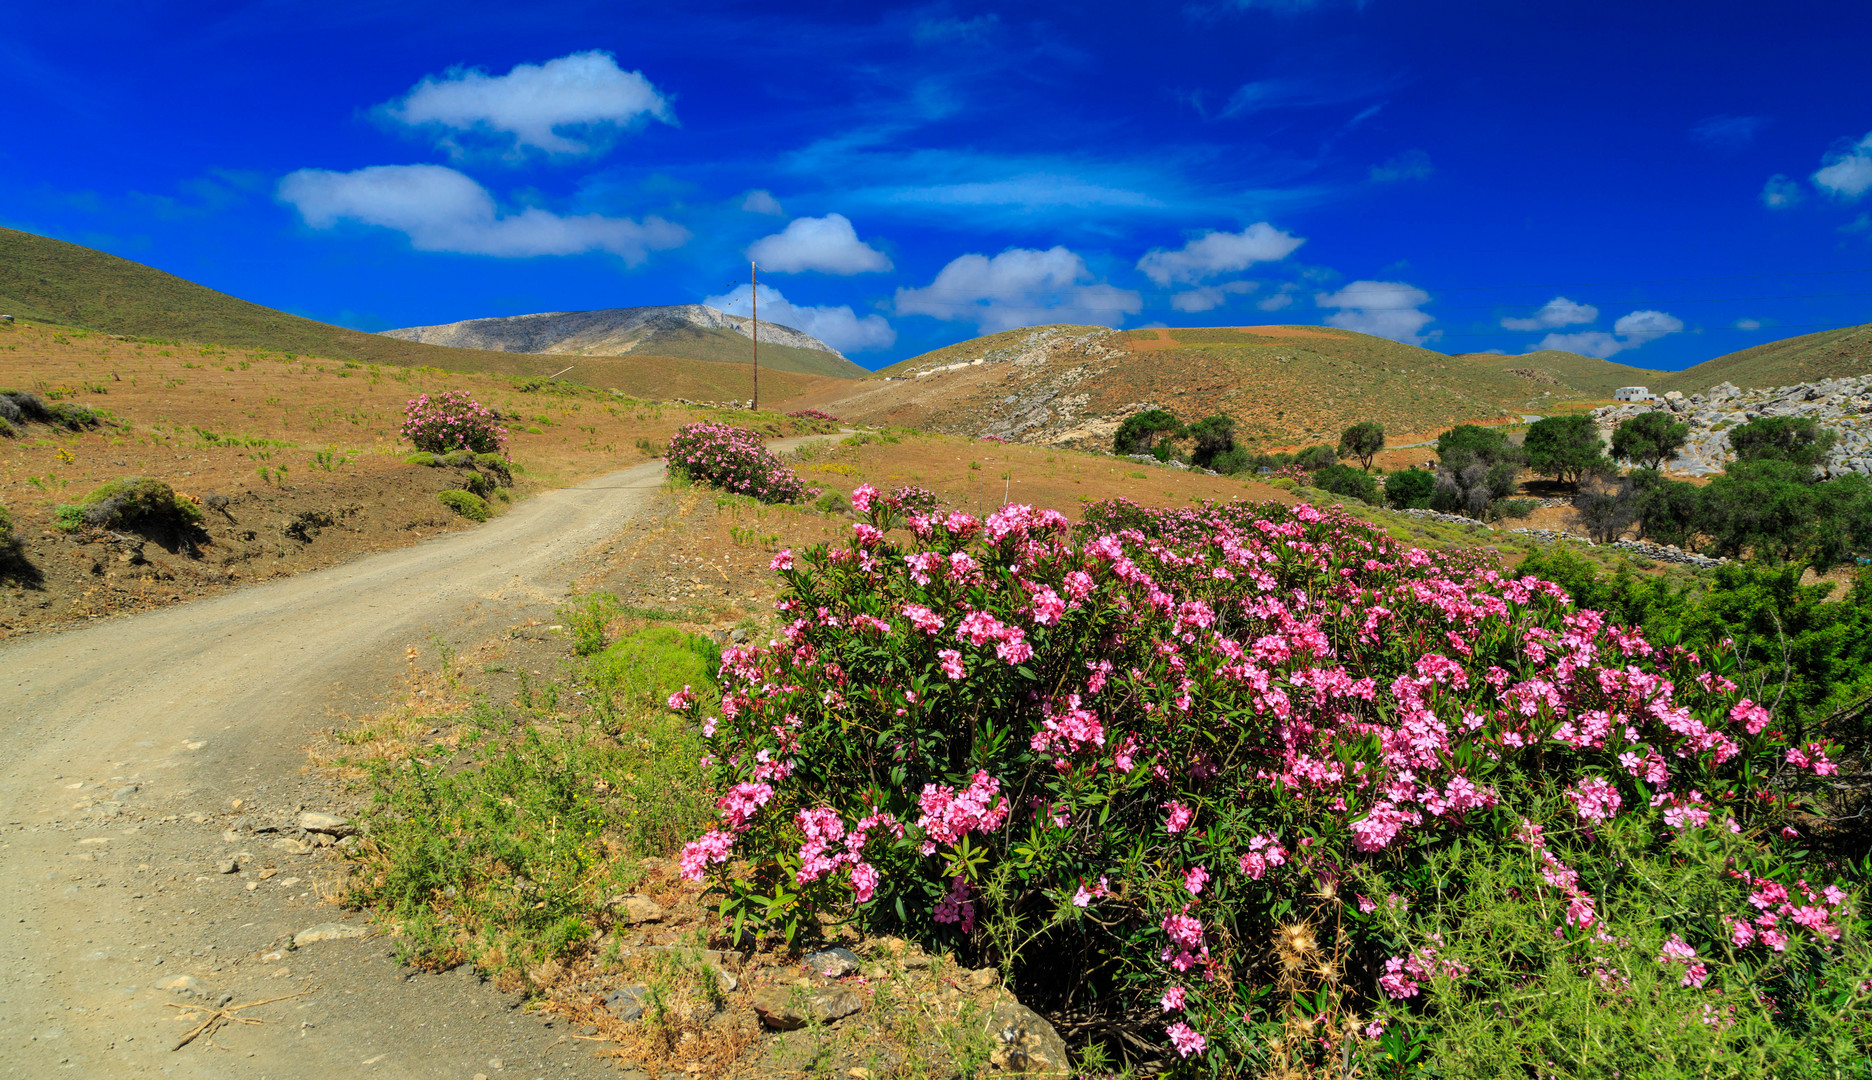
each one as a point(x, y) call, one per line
point(1668, 511)
point(1798, 439)
point(1650, 439)
point(1348, 481)
point(1214, 436)
point(1362, 440)
point(1606, 508)
point(1466, 444)
point(1409, 489)
point(1141, 431)
point(1566, 448)
point(1315, 458)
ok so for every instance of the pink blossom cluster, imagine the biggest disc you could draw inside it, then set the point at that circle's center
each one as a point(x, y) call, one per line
point(1186, 701)
point(451, 420)
point(733, 459)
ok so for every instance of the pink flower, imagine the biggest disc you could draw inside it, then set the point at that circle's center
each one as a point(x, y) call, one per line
point(1180, 817)
point(1172, 999)
point(681, 699)
point(1194, 879)
point(1185, 930)
point(951, 663)
point(1594, 799)
point(864, 880)
point(782, 561)
point(713, 847)
point(862, 497)
point(1186, 1039)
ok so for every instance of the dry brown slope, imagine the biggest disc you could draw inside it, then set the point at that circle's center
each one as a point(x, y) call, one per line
point(1282, 384)
point(1829, 354)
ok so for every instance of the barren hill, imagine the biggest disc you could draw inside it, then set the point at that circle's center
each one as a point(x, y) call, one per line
point(1284, 385)
point(690, 331)
point(65, 284)
point(1829, 354)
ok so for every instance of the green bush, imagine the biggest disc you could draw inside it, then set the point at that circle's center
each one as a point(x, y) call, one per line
point(1513, 508)
point(466, 503)
point(1315, 458)
point(1140, 433)
point(129, 502)
point(831, 501)
point(422, 457)
point(1798, 440)
point(1212, 436)
point(1566, 448)
point(1409, 489)
point(646, 667)
point(458, 458)
point(6, 528)
point(1649, 439)
point(1349, 481)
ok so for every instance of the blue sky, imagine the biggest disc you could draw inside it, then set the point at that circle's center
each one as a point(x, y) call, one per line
point(1659, 183)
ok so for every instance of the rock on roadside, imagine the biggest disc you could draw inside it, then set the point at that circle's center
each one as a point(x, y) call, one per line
point(789, 1008)
point(330, 931)
point(1025, 1044)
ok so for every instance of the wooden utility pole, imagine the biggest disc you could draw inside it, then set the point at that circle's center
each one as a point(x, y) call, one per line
point(754, 299)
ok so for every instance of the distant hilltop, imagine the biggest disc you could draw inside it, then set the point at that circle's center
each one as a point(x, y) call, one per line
point(695, 331)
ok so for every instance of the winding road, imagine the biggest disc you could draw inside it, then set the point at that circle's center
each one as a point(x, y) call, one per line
point(123, 746)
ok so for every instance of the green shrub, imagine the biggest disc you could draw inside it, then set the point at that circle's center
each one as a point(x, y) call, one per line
point(1141, 433)
point(130, 502)
point(7, 430)
point(1315, 458)
point(1409, 489)
point(1566, 448)
point(1513, 508)
point(1649, 439)
point(831, 502)
point(646, 667)
point(422, 457)
point(1212, 436)
point(6, 528)
point(1798, 440)
point(458, 458)
point(587, 617)
point(1348, 480)
point(466, 503)
point(496, 466)
point(23, 406)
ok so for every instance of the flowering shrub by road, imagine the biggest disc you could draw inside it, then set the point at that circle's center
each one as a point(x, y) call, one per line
point(733, 459)
point(452, 420)
point(1194, 756)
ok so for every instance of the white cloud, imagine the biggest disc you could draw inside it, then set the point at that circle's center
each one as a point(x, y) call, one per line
point(1781, 192)
point(836, 326)
point(1847, 173)
point(1276, 302)
point(761, 201)
point(1726, 132)
point(1748, 324)
point(1019, 287)
point(1218, 253)
point(440, 209)
point(1386, 309)
point(1629, 332)
point(1410, 165)
point(526, 107)
point(1642, 326)
point(828, 244)
point(1554, 313)
point(1206, 297)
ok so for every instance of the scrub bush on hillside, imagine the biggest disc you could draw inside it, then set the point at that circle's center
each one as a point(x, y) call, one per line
point(1187, 770)
point(733, 459)
point(452, 420)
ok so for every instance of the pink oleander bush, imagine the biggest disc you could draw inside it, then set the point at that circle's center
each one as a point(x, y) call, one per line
point(814, 414)
point(452, 420)
point(1223, 775)
point(733, 459)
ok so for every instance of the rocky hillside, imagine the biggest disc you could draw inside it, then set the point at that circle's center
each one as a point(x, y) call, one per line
point(689, 331)
point(1072, 386)
point(1843, 405)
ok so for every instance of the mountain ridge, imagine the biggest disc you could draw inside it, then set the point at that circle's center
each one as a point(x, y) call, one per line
point(692, 331)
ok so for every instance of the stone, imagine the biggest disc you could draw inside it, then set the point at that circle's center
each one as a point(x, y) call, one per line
point(982, 979)
point(1025, 1044)
point(125, 792)
point(626, 1003)
point(291, 846)
point(181, 984)
point(226, 866)
point(833, 963)
point(638, 909)
point(331, 931)
point(784, 1008)
point(327, 824)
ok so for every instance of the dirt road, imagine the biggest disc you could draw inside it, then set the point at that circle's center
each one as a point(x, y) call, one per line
point(122, 749)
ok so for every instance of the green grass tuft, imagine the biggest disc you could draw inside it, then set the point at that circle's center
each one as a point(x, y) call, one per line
point(466, 503)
